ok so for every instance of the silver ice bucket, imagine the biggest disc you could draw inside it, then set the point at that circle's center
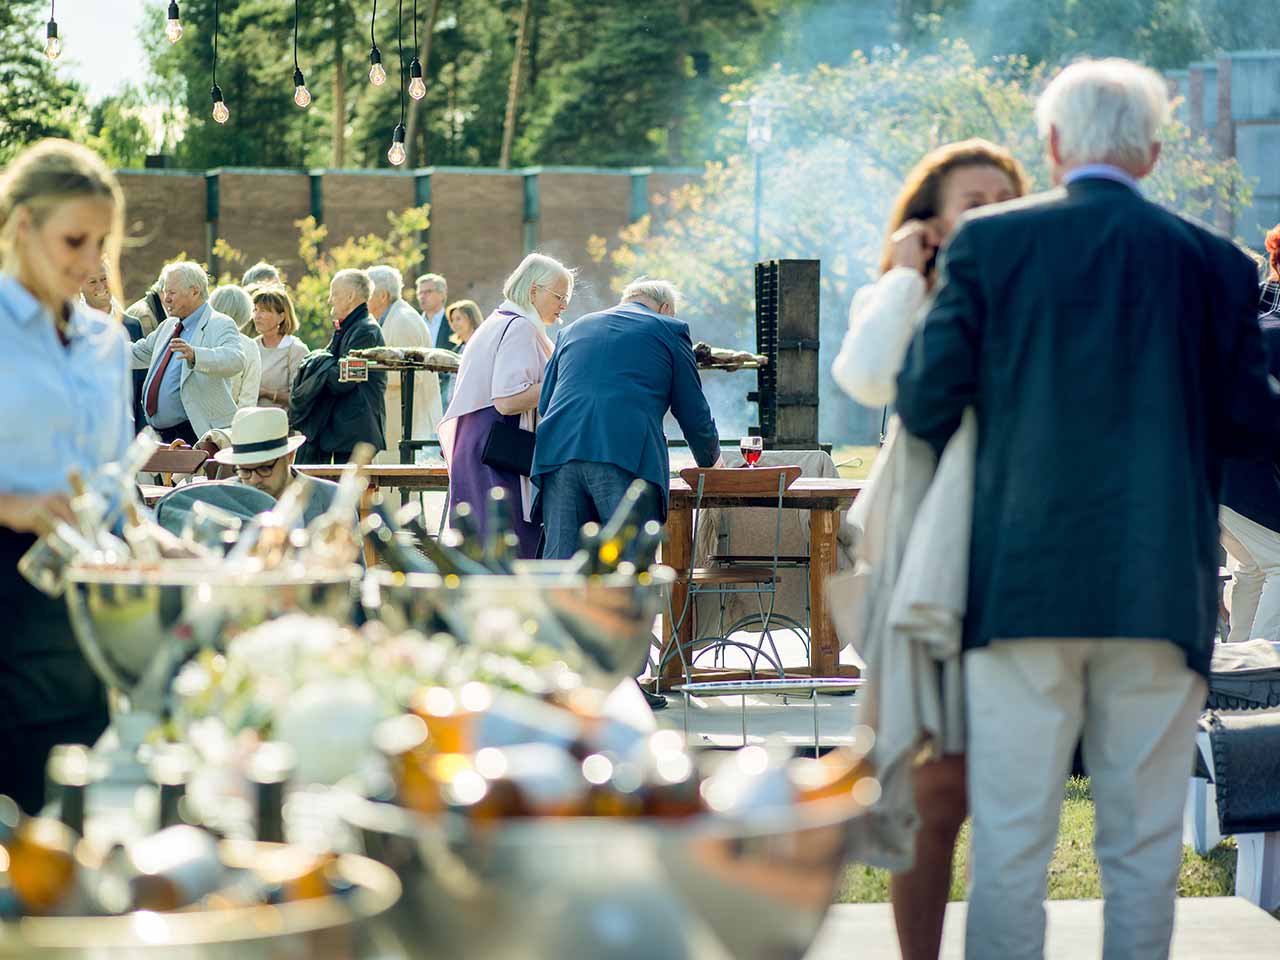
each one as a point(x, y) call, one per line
point(327, 928)
point(601, 627)
point(615, 888)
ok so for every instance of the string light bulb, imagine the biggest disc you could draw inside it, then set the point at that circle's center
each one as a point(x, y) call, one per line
point(173, 24)
point(417, 89)
point(301, 95)
point(52, 45)
point(220, 111)
point(396, 154)
point(377, 73)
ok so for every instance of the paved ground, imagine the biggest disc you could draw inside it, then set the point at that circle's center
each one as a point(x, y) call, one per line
point(1210, 928)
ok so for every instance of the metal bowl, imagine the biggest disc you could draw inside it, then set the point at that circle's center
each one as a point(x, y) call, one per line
point(328, 928)
point(704, 889)
point(601, 627)
point(137, 627)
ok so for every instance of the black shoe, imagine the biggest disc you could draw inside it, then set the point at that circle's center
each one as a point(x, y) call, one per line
point(654, 700)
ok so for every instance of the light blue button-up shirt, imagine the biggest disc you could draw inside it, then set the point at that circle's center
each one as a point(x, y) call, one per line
point(1103, 171)
point(169, 409)
point(60, 407)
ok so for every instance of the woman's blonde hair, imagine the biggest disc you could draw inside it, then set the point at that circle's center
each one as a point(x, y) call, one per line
point(277, 300)
point(51, 173)
point(921, 195)
point(469, 307)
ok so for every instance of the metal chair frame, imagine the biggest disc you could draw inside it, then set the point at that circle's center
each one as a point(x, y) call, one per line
point(719, 642)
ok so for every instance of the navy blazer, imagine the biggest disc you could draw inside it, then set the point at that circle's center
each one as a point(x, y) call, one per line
point(1111, 351)
point(609, 384)
point(359, 410)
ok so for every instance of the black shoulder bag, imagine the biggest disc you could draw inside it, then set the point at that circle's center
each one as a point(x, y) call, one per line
point(508, 448)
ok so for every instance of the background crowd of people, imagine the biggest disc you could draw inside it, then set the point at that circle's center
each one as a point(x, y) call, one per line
point(1119, 424)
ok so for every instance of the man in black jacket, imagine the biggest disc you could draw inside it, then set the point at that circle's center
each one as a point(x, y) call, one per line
point(1112, 354)
point(343, 414)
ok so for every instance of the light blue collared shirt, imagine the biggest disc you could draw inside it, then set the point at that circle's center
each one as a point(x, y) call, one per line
point(169, 409)
point(1103, 171)
point(60, 407)
point(433, 324)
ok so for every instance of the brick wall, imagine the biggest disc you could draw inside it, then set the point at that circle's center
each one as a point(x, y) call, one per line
point(164, 217)
point(477, 235)
point(256, 216)
point(575, 207)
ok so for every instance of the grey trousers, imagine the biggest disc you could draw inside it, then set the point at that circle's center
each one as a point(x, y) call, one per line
point(1136, 704)
point(580, 492)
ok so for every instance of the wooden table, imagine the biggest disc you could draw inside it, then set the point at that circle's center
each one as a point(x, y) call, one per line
point(826, 499)
point(403, 476)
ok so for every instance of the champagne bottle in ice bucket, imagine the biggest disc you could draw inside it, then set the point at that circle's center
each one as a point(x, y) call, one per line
point(267, 540)
point(621, 529)
point(98, 507)
point(333, 537)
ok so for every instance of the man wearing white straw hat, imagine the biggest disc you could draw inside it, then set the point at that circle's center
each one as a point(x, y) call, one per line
point(262, 453)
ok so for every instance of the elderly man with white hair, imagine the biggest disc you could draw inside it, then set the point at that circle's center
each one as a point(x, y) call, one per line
point(236, 303)
point(344, 414)
point(191, 359)
point(612, 379)
point(1111, 353)
point(403, 326)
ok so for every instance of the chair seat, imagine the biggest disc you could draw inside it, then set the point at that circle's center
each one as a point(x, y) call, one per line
point(731, 575)
point(791, 559)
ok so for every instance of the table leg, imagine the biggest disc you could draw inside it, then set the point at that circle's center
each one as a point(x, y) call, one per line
point(678, 553)
point(824, 648)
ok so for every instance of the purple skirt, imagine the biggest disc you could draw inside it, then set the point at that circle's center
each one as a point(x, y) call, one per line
point(470, 480)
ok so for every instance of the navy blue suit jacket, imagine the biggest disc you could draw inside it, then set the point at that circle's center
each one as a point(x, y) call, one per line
point(1111, 350)
point(612, 379)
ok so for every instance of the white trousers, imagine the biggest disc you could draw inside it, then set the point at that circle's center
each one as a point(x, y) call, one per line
point(1255, 571)
point(1136, 704)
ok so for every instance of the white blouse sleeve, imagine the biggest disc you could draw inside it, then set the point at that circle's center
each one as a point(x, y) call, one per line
point(882, 319)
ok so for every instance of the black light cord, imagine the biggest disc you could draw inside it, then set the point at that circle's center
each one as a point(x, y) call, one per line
point(373, 19)
point(400, 44)
point(215, 42)
point(295, 34)
point(415, 27)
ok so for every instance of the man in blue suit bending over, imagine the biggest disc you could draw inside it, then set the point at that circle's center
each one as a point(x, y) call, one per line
point(612, 379)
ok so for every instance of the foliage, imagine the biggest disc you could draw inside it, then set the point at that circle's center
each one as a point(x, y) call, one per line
point(116, 129)
point(844, 139)
point(401, 247)
point(1073, 872)
point(35, 102)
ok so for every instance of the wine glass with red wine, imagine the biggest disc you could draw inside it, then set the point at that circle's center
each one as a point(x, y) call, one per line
point(751, 448)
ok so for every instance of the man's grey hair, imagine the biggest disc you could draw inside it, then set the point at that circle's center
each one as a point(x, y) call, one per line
point(387, 279)
point(356, 280)
point(1105, 111)
point(261, 272)
point(539, 269)
point(235, 302)
point(435, 280)
point(189, 274)
point(661, 292)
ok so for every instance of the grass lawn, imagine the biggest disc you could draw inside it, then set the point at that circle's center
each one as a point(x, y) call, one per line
point(846, 460)
point(1073, 873)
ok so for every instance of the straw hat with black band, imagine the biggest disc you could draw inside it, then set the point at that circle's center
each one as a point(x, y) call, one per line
point(259, 435)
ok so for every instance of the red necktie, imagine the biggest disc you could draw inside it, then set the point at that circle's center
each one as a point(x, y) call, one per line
point(153, 390)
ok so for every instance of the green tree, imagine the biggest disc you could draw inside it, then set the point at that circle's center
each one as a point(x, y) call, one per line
point(34, 101)
point(117, 130)
point(845, 137)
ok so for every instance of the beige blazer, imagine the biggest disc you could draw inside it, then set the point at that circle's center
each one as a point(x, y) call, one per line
point(206, 386)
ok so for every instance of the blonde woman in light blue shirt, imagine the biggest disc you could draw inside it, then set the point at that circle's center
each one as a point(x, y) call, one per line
point(65, 401)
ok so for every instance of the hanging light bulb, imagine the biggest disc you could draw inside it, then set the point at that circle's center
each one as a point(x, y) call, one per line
point(377, 73)
point(396, 153)
point(220, 111)
point(301, 95)
point(173, 25)
point(417, 89)
point(52, 45)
